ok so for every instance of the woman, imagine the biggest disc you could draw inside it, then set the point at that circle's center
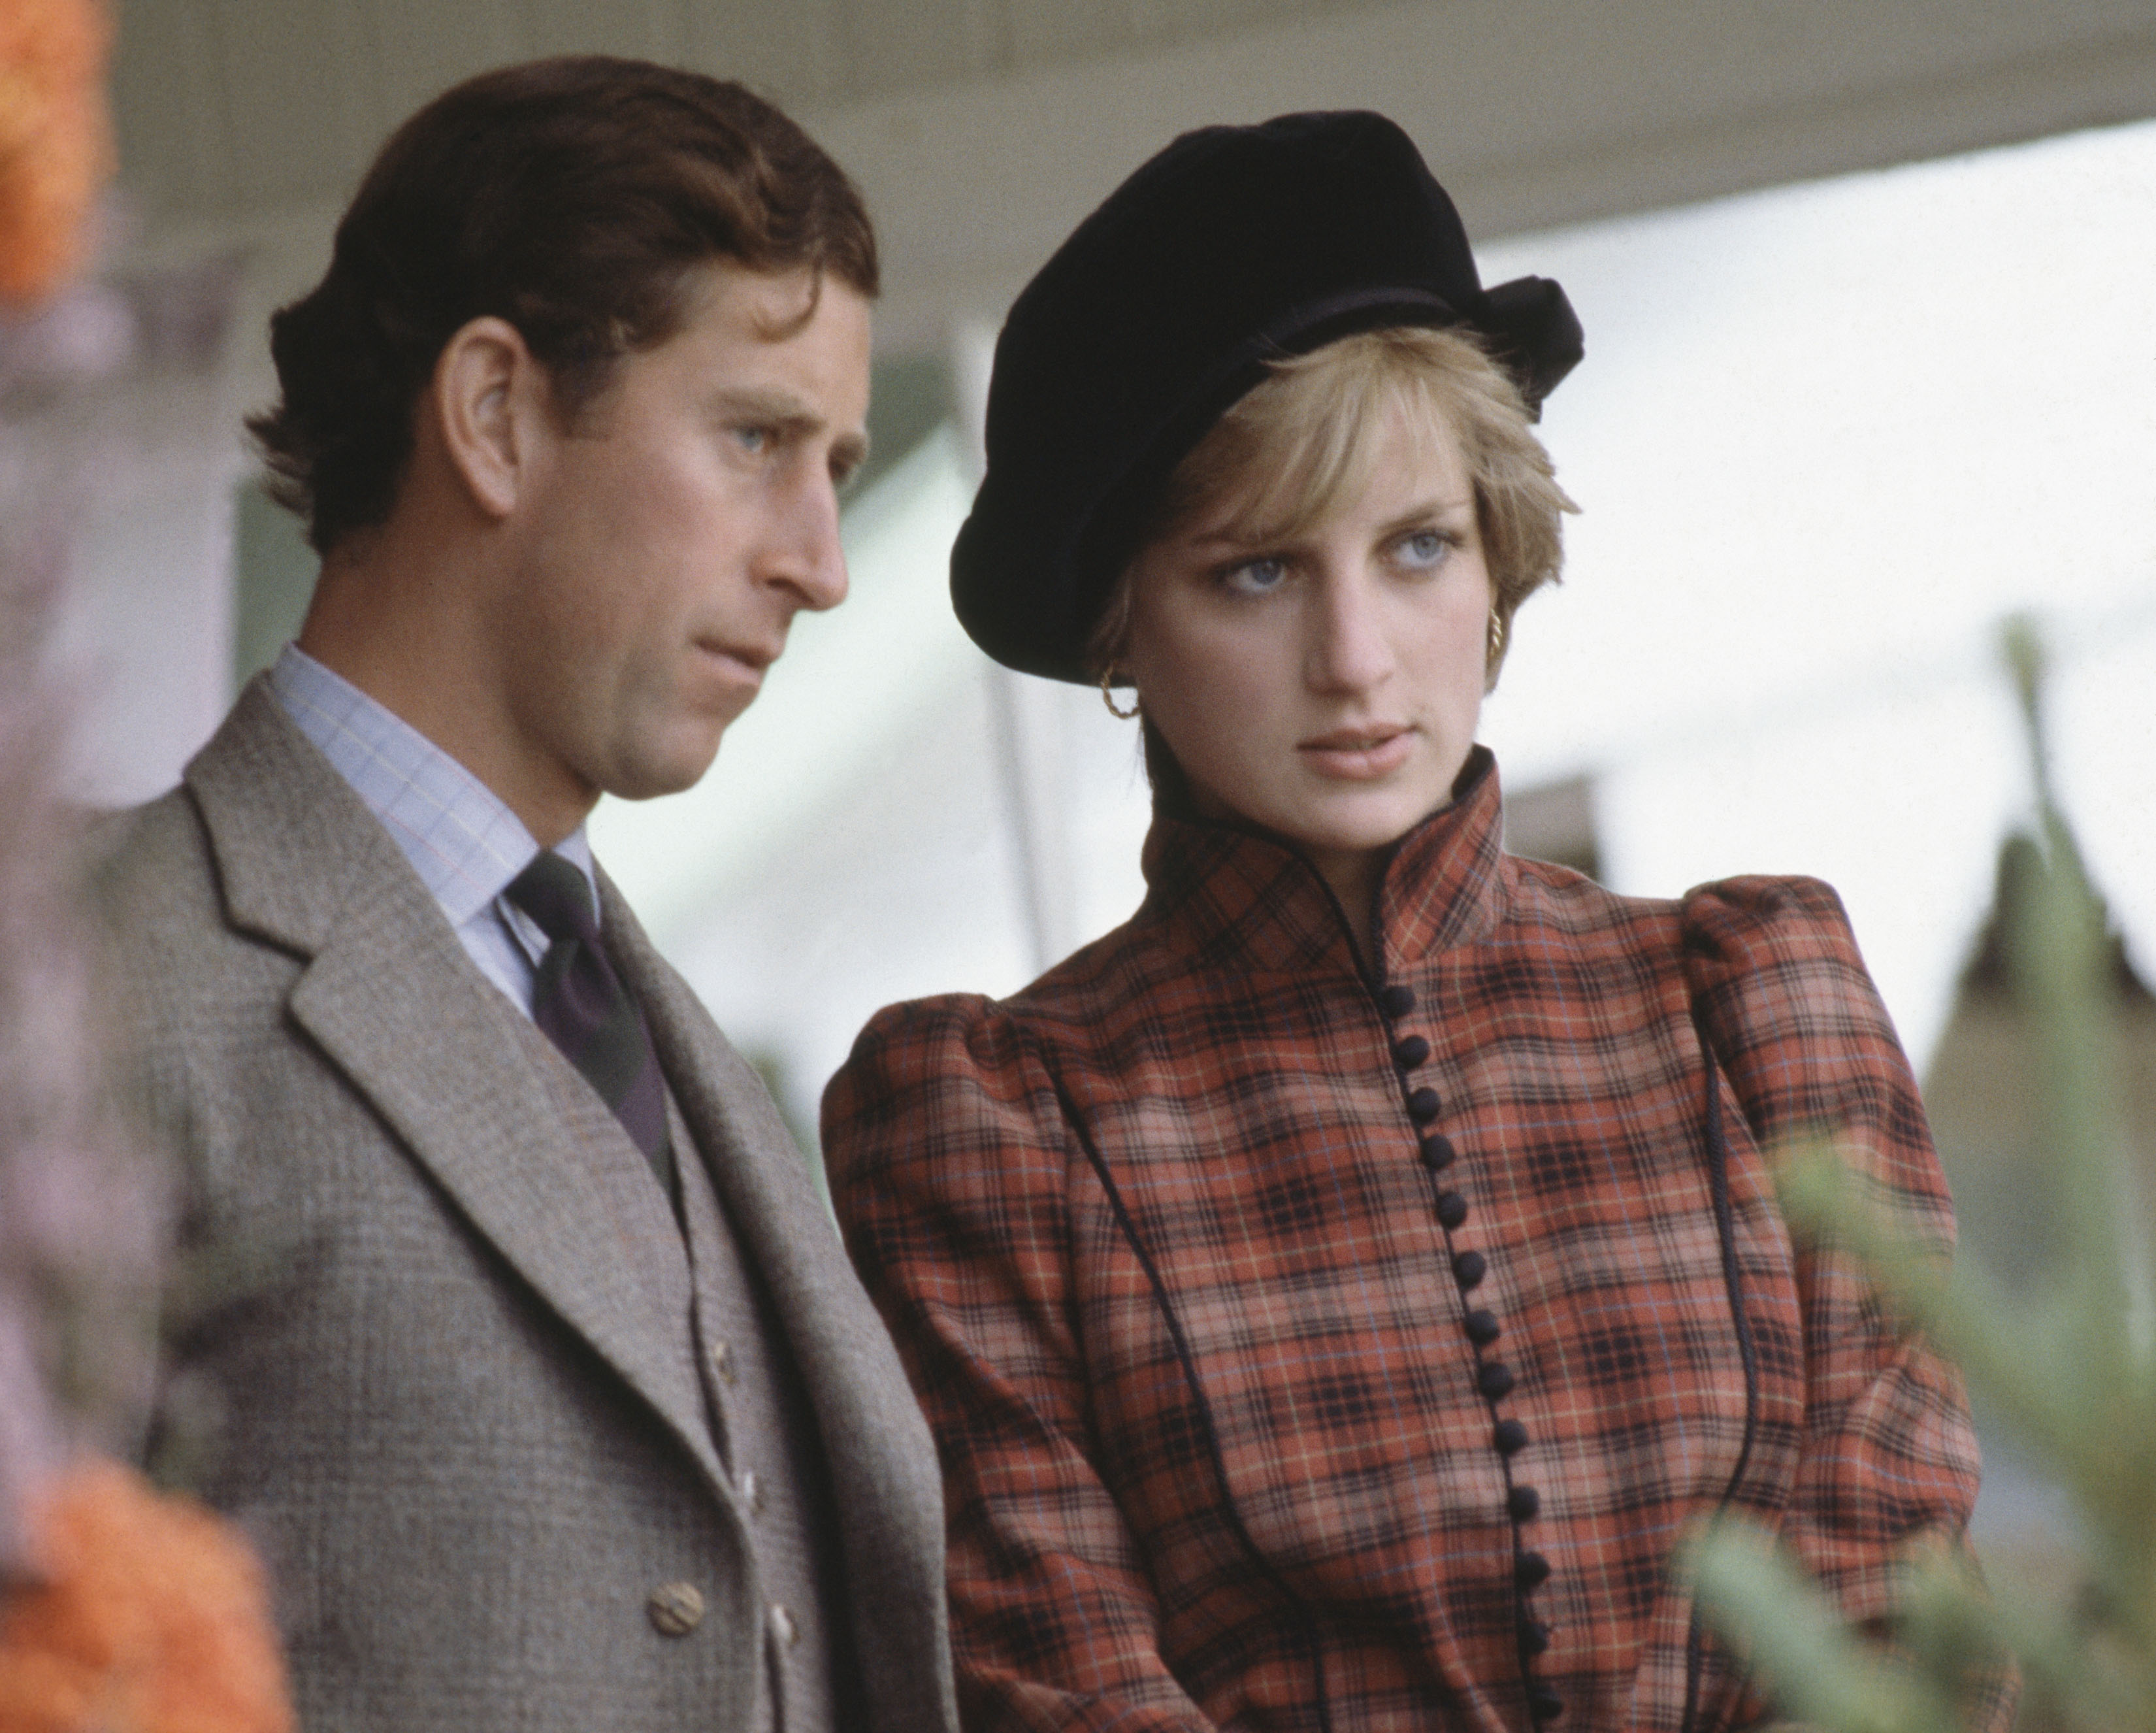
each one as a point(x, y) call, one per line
point(1337, 1291)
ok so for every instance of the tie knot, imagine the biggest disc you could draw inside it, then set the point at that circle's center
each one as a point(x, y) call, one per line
point(557, 896)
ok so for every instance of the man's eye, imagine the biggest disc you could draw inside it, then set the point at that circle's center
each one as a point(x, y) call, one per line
point(1254, 577)
point(752, 438)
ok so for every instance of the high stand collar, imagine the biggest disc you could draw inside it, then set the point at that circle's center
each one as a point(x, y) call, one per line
point(1244, 899)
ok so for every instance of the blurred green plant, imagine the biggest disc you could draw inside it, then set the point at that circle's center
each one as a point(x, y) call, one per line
point(2070, 1370)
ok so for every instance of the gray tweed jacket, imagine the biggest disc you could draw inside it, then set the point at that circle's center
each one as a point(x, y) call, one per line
point(443, 1412)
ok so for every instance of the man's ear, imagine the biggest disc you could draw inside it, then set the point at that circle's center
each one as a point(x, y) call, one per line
point(489, 399)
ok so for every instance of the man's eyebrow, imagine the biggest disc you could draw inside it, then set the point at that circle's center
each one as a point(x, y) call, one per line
point(792, 417)
point(849, 452)
point(782, 408)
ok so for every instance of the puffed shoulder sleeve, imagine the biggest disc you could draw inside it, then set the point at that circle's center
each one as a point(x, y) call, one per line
point(1889, 1460)
point(951, 1154)
point(1800, 1031)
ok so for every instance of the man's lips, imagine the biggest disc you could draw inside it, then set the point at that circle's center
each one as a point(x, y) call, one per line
point(754, 658)
point(1358, 754)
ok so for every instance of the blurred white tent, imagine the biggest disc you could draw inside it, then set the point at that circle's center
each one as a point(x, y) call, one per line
point(1824, 437)
point(1827, 437)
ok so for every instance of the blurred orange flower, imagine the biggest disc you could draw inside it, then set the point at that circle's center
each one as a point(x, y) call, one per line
point(55, 138)
point(152, 1618)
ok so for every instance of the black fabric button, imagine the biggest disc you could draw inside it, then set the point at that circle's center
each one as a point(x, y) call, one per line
point(1483, 1328)
point(1410, 1052)
point(1523, 1504)
point(1469, 1268)
point(1437, 1151)
point(1530, 1570)
point(1423, 1106)
point(1495, 1380)
point(1511, 1437)
point(1544, 1703)
point(1451, 1208)
point(1534, 1637)
point(1397, 1001)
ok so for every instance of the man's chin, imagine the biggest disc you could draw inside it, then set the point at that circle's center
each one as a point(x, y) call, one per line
point(650, 776)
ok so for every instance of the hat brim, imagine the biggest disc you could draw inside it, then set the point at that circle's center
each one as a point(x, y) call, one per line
point(1529, 323)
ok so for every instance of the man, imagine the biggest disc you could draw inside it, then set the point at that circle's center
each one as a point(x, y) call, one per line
point(543, 1382)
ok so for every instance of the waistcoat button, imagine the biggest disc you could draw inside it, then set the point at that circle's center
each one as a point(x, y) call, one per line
point(1423, 1106)
point(1411, 1052)
point(1530, 1570)
point(1523, 1504)
point(1469, 1268)
point(1483, 1328)
point(1397, 1001)
point(1495, 1380)
point(675, 1609)
point(1451, 1208)
point(1511, 1437)
point(1437, 1152)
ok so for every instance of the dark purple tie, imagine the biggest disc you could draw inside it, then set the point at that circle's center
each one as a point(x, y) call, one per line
point(580, 1005)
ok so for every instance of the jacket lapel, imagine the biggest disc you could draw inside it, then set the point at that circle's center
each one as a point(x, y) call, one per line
point(391, 997)
point(881, 1459)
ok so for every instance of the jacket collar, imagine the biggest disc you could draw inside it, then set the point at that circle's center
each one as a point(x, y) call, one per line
point(295, 845)
point(1243, 899)
point(387, 994)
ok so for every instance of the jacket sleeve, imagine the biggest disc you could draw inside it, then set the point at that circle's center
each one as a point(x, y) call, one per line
point(951, 1158)
point(1888, 1464)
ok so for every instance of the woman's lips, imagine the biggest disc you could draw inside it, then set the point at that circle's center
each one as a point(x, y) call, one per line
point(1358, 754)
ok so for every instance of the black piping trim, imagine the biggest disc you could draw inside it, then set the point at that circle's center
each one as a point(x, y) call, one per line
point(1732, 1280)
point(1299, 1608)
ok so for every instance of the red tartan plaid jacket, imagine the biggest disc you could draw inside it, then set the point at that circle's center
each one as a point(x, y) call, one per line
point(1311, 1350)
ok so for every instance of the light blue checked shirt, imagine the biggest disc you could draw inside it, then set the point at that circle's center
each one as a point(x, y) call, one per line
point(463, 843)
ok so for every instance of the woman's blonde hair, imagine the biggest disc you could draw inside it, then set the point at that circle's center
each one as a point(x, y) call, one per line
point(1301, 442)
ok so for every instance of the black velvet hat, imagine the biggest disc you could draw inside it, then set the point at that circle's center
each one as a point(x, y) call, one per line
point(1233, 246)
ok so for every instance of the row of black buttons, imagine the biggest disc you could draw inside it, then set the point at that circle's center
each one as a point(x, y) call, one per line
point(1523, 1504)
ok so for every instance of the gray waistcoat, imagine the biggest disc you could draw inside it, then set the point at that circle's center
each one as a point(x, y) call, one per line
point(719, 1318)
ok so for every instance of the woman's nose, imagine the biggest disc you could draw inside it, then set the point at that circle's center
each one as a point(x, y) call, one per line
point(1347, 649)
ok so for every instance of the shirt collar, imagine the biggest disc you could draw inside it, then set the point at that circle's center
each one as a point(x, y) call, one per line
point(1246, 899)
point(459, 835)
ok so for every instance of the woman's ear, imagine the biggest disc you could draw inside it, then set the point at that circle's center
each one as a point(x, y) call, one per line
point(487, 391)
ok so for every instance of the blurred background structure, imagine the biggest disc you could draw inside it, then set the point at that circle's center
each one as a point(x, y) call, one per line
point(1871, 362)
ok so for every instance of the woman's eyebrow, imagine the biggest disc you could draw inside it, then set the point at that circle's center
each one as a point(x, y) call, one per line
point(1229, 539)
point(1427, 511)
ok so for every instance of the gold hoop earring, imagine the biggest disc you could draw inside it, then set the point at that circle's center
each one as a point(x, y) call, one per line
point(1496, 635)
point(1107, 697)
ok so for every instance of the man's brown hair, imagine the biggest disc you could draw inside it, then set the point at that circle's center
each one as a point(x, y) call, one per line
point(571, 197)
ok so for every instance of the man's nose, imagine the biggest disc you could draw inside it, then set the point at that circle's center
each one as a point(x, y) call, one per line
point(807, 555)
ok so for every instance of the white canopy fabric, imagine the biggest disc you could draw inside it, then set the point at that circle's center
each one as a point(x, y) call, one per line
point(1826, 438)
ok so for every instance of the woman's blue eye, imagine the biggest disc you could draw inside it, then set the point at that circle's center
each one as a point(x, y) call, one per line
point(1424, 549)
point(1255, 577)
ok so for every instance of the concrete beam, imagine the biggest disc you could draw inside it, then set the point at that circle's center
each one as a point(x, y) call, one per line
point(1535, 113)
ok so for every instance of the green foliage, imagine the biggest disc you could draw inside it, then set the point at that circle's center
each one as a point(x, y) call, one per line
point(2070, 1370)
